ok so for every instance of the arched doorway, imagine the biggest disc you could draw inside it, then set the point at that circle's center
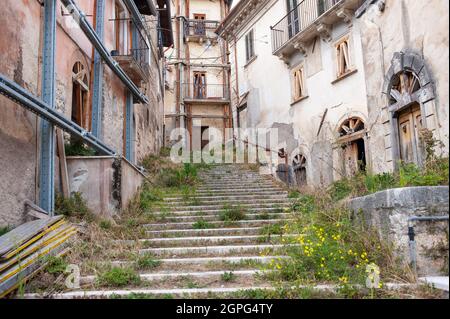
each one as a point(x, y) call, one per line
point(351, 139)
point(410, 97)
point(299, 167)
point(409, 117)
point(80, 93)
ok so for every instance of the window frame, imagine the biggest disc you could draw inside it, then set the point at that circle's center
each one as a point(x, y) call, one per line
point(303, 90)
point(250, 46)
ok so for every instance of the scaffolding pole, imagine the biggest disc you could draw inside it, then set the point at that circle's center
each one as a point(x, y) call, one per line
point(47, 146)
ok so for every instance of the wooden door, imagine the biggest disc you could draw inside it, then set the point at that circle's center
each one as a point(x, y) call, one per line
point(199, 85)
point(350, 155)
point(410, 124)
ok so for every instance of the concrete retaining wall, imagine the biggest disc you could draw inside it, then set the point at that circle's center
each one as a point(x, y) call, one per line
point(389, 211)
point(106, 183)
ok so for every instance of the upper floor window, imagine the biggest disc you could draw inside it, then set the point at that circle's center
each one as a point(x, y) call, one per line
point(80, 94)
point(343, 56)
point(122, 29)
point(199, 26)
point(298, 83)
point(250, 45)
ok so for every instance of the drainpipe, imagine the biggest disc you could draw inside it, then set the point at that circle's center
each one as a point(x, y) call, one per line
point(412, 234)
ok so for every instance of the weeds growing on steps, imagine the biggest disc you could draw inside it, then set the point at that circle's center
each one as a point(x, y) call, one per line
point(146, 261)
point(228, 276)
point(202, 224)
point(232, 213)
point(118, 277)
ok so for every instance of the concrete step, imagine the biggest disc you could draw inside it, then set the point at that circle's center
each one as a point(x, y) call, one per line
point(221, 206)
point(230, 198)
point(170, 233)
point(237, 188)
point(211, 275)
point(208, 250)
point(203, 212)
point(216, 217)
point(219, 224)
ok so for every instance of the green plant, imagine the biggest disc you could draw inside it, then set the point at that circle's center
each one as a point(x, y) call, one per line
point(340, 189)
point(105, 224)
point(55, 265)
point(228, 276)
point(147, 261)
point(118, 277)
point(232, 213)
point(4, 230)
point(273, 229)
point(294, 194)
point(202, 224)
point(75, 205)
point(78, 148)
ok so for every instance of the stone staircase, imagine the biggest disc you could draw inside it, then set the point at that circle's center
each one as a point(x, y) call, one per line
point(220, 257)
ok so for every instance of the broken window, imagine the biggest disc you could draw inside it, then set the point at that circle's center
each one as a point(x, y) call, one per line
point(249, 45)
point(343, 57)
point(352, 133)
point(80, 90)
point(199, 85)
point(299, 166)
point(298, 83)
point(199, 25)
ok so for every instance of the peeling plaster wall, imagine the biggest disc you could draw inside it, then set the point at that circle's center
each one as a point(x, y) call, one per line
point(420, 27)
point(19, 61)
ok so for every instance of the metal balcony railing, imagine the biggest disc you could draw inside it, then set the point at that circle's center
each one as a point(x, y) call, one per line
point(205, 91)
point(200, 28)
point(136, 48)
point(298, 19)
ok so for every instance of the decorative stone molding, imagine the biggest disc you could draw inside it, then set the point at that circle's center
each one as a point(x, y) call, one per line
point(324, 31)
point(346, 15)
point(283, 57)
point(300, 46)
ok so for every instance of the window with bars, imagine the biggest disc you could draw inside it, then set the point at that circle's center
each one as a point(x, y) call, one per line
point(250, 45)
point(298, 83)
point(343, 57)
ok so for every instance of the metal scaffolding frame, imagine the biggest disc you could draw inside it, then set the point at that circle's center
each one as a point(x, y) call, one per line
point(21, 96)
point(47, 146)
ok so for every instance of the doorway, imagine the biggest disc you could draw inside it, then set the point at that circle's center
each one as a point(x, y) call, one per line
point(409, 126)
point(204, 136)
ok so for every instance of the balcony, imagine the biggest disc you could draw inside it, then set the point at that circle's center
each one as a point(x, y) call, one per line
point(196, 30)
point(132, 54)
point(309, 19)
point(205, 93)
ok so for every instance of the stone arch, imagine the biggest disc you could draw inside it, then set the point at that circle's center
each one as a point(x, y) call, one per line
point(410, 96)
point(352, 114)
point(300, 164)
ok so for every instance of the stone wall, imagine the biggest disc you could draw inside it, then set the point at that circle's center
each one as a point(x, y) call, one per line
point(388, 211)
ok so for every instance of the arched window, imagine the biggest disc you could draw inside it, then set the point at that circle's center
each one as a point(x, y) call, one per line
point(351, 138)
point(80, 92)
point(299, 166)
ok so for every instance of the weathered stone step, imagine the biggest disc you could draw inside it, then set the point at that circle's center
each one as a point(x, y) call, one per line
point(222, 205)
point(208, 250)
point(221, 224)
point(228, 193)
point(237, 188)
point(216, 217)
point(231, 198)
point(170, 233)
point(211, 275)
point(202, 212)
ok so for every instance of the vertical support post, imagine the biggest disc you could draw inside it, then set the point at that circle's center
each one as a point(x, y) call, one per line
point(47, 156)
point(129, 128)
point(98, 73)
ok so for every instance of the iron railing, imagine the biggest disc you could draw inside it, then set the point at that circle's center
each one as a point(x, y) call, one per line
point(205, 91)
point(137, 46)
point(298, 19)
point(200, 28)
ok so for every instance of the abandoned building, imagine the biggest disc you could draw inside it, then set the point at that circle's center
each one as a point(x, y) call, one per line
point(93, 69)
point(351, 84)
point(197, 91)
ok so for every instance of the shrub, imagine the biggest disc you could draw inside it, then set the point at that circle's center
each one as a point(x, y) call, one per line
point(105, 224)
point(340, 189)
point(118, 277)
point(75, 205)
point(78, 148)
point(228, 276)
point(4, 230)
